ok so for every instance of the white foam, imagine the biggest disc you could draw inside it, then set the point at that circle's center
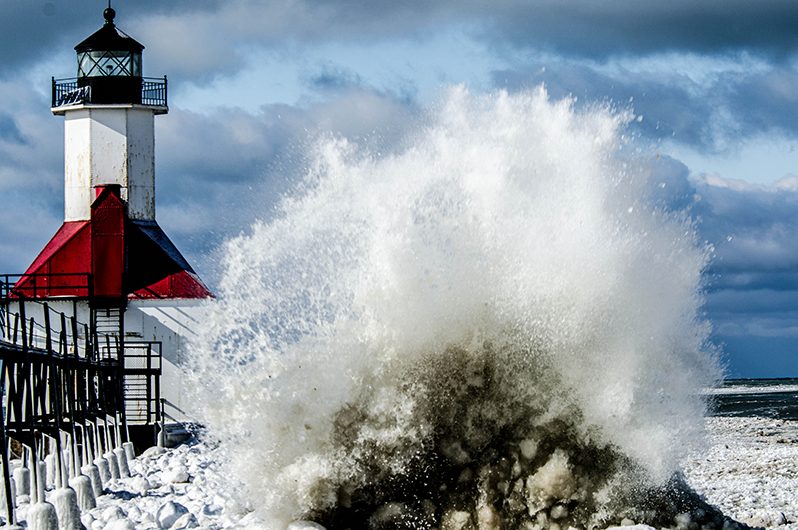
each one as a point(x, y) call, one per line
point(509, 226)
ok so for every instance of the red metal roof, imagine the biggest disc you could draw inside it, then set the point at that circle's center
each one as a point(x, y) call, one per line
point(114, 256)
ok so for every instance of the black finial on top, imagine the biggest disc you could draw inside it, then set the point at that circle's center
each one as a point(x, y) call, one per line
point(109, 14)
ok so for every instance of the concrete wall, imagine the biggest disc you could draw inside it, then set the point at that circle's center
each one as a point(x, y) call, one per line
point(174, 324)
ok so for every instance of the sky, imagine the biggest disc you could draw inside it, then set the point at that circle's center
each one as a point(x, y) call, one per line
point(251, 81)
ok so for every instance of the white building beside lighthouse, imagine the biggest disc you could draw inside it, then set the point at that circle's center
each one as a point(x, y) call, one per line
point(110, 264)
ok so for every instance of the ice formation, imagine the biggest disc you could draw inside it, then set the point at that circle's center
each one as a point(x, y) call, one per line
point(488, 327)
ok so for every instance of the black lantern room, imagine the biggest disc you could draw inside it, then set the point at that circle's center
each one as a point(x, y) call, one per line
point(109, 62)
point(109, 72)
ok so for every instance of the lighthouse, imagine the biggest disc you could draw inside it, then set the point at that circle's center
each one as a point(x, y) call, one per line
point(110, 264)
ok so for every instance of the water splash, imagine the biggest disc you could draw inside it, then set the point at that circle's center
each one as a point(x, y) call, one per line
point(491, 326)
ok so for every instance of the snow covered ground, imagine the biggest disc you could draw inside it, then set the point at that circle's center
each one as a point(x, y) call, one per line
point(750, 471)
point(173, 488)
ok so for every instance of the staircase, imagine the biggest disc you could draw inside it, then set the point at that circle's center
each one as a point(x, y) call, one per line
point(142, 382)
point(108, 326)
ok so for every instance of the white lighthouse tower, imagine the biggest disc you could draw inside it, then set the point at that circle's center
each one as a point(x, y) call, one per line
point(109, 124)
point(110, 264)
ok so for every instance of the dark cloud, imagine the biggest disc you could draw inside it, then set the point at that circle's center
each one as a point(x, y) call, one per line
point(758, 356)
point(220, 169)
point(668, 104)
point(588, 28)
point(194, 38)
point(233, 167)
point(766, 101)
point(752, 280)
point(334, 78)
point(712, 116)
point(38, 29)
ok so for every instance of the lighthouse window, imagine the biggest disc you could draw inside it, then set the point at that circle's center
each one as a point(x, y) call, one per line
point(109, 63)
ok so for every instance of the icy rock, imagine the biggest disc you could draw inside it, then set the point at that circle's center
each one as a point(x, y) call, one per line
point(175, 475)
point(87, 519)
point(559, 511)
point(388, 514)
point(169, 513)
point(487, 518)
point(140, 484)
point(763, 519)
point(153, 452)
point(112, 513)
point(304, 525)
point(186, 520)
point(682, 521)
point(631, 527)
point(120, 524)
point(134, 513)
point(455, 520)
point(529, 448)
point(553, 481)
point(454, 451)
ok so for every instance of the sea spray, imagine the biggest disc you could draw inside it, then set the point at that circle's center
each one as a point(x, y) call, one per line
point(489, 326)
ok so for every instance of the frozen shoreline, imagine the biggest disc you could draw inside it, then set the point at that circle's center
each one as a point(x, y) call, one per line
point(749, 470)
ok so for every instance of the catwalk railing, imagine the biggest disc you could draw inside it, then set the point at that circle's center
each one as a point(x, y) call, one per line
point(57, 374)
point(40, 285)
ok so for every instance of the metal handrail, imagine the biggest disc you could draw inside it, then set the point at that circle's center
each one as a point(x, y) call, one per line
point(65, 91)
point(59, 334)
point(45, 285)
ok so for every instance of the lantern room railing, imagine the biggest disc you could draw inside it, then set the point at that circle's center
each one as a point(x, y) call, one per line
point(68, 92)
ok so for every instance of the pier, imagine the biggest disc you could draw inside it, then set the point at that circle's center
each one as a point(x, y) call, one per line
point(63, 376)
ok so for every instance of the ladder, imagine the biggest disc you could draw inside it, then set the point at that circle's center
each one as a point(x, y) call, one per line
point(107, 323)
point(142, 382)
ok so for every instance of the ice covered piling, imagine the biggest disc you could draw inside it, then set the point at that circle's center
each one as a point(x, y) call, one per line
point(109, 455)
point(22, 477)
point(99, 461)
point(41, 515)
point(84, 492)
point(489, 322)
point(64, 498)
point(89, 468)
point(49, 462)
point(67, 511)
point(119, 451)
point(82, 482)
point(130, 451)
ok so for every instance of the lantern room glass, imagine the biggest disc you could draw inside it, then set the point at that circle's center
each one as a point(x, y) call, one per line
point(109, 63)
